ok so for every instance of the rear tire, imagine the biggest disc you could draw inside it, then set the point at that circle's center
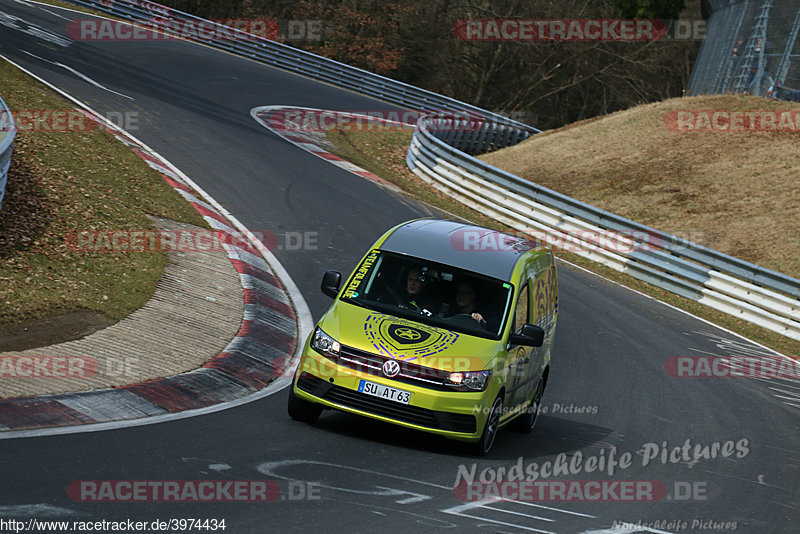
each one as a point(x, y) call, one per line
point(527, 420)
point(302, 410)
point(484, 445)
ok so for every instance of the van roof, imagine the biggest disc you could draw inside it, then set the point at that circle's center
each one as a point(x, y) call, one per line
point(474, 248)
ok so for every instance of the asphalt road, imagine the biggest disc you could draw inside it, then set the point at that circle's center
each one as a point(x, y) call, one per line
point(608, 390)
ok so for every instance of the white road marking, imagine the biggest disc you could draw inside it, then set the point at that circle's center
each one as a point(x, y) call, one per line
point(78, 74)
point(10, 21)
point(219, 467)
point(269, 468)
point(54, 14)
point(737, 348)
point(556, 509)
point(794, 396)
point(266, 468)
point(702, 351)
point(512, 512)
point(415, 497)
point(766, 349)
point(624, 529)
point(459, 511)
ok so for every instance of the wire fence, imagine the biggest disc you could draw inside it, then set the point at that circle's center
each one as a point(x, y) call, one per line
point(751, 46)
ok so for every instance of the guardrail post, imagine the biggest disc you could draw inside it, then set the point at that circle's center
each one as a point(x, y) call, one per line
point(8, 132)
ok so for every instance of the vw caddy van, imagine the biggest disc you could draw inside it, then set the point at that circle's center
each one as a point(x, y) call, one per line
point(442, 327)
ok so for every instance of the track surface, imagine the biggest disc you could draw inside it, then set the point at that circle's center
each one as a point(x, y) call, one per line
point(194, 106)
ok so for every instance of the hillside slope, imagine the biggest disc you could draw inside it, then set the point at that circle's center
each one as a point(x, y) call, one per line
point(737, 192)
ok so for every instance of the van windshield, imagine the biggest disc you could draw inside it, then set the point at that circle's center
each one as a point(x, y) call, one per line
point(431, 293)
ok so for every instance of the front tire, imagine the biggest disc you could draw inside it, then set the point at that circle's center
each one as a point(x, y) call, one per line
point(484, 445)
point(527, 420)
point(302, 410)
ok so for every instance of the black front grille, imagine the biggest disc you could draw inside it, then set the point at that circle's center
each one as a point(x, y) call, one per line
point(386, 408)
point(410, 373)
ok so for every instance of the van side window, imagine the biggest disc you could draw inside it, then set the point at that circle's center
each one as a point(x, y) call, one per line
point(521, 309)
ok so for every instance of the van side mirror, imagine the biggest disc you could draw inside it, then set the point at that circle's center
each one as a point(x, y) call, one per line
point(530, 335)
point(331, 281)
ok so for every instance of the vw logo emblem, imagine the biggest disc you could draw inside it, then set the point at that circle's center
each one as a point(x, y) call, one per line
point(408, 333)
point(391, 368)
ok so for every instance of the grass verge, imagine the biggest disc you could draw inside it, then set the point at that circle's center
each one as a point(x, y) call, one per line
point(63, 181)
point(384, 153)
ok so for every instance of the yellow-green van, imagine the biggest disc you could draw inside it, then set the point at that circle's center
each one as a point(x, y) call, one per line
point(442, 327)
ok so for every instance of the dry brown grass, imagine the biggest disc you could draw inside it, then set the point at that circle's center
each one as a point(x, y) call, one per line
point(736, 192)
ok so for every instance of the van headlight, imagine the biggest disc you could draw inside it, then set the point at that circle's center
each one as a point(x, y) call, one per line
point(469, 380)
point(322, 342)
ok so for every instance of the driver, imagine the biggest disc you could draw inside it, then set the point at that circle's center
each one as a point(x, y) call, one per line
point(465, 302)
point(414, 296)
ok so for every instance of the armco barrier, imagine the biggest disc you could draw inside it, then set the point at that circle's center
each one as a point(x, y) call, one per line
point(8, 131)
point(294, 60)
point(758, 295)
point(442, 154)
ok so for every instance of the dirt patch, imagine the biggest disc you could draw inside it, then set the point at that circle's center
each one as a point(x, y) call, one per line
point(56, 329)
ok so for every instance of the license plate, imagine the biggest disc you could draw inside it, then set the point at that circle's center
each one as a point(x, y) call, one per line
point(384, 392)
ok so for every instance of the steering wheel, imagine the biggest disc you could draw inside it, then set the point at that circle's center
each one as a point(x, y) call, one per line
point(458, 317)
point(392, 293)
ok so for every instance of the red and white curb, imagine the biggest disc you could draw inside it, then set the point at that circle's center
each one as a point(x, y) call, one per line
point(313, 140)
point(257, 362)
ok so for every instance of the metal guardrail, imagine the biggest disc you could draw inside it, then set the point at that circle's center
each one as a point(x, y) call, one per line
point(761, 296)
point(442, 152)
point(8, 132)
point(167, 19)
